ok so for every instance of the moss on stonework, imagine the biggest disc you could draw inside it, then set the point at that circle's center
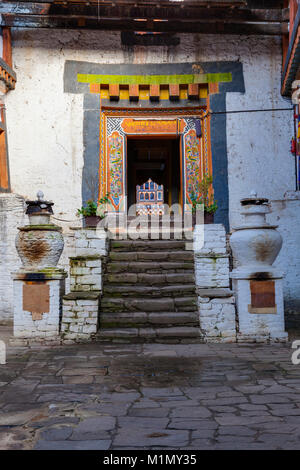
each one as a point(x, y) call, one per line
point(84, 295)
point(28, 228)
point(51, 270)
point(85, 257)
point(116, 324)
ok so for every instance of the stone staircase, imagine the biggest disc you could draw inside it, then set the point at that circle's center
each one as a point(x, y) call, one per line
point(149, 293)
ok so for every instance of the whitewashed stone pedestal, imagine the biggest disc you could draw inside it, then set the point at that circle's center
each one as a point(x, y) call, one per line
point(256, 283)
point(81, 306)
point(216, 302)
point(39, 285)
point(37, 305)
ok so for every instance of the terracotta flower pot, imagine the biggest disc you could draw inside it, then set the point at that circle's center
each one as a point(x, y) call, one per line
point(91, 220)
point(208, 218)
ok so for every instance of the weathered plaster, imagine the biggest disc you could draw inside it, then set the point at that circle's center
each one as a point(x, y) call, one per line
point(45, 124)
point(217, 104)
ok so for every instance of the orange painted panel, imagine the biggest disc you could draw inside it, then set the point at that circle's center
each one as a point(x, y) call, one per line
point(114, 91)
point(151, 126)
point(154, 92)
point(213, 88)
point(4, 184)
point(193, 91)
point(133, 92)
point(94, 88)
point(174, 91)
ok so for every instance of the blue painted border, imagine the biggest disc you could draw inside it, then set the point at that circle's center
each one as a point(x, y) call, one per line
point(91, 120)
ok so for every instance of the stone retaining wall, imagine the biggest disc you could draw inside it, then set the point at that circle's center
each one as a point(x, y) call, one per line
point(216, 303)
point(81, 306)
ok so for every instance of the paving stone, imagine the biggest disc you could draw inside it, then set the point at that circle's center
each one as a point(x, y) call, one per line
point(202, 434)
point(192, 424)
point(161, 392)
point(78, 379)
point(191, 412)
point(278, 441)
point(56, 434)
point(146, 404)
point(73, 445)
point(113, 409)
point(267, 399)
point(225, 401)
point(236, 431)
point(201, 444)
point(142, 423)
point(14, 439)
point(277, 389)
point(175, 403)
point(150, 412)
point(234, 440)
point(251, 407)
point(18, 418)
point(83, 371)
point(91, 428)
point(233, 420)
point(242, 415)
point(44, 423)
point(154, 436)
point(223, 409)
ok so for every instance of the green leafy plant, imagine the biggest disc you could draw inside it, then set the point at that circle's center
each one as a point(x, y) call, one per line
point(92, 208)
point(201, 194)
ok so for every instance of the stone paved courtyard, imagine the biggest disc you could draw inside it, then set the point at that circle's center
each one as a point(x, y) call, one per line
point(158, 396)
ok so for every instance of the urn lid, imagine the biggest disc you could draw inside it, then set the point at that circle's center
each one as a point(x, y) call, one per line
point(254, 200)
point(39, 205)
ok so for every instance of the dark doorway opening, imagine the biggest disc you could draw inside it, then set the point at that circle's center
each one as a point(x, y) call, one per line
point(155, 158)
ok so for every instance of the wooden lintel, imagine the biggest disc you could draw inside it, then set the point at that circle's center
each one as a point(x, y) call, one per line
point(149, 12)
point(216, 27)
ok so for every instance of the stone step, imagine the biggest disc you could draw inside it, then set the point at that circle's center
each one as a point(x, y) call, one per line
point(149, 267)
point(180, 334)
point(138, 290)
point(148, 319)
point(160, 256)
point(148, 245)
point(168, 304)
point(186, 277)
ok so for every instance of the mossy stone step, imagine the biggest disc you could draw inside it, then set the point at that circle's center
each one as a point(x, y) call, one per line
point(149, 278)
point(147, 256)
point(139, 290)
point(148, 319)
point(180, 334)
point(148, 245)
point(148, 267)
point(131, 304)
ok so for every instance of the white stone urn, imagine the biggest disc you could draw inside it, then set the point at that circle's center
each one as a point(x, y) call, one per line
point(40, 243)
point(255, 244)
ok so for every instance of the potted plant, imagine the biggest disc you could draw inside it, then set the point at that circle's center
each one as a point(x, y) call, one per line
point(202, 195)
point(93, 212)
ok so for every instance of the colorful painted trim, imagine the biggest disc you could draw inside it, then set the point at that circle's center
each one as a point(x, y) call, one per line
point(154, 79)
point(112, 171)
